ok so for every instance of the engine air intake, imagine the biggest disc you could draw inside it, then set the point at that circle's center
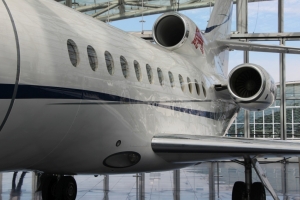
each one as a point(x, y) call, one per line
point(251, 87)
point(245, 82)
point(169, 31)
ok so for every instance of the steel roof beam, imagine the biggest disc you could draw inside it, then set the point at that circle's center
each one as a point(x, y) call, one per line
point(152, 8)
point(105, 10)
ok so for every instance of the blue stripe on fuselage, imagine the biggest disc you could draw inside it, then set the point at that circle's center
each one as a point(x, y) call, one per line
point(46, 92)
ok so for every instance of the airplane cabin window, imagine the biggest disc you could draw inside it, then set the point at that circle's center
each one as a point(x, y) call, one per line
point(204, 90)
point(197, 87)
point(181, 82)
point(137, 70)
point(124, 66)
point(73, 52)
point(160, 76)
point(92, 57)
point(171, 77)
point(149, 73)
point(190, 84)
point(109, 63)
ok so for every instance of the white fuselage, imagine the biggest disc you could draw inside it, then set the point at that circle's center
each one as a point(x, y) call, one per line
point(42, 130)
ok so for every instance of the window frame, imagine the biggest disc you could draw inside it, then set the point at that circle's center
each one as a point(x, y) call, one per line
point(160, 76)
point(75, 50)
point(171, 78)
point(137, 70)
point(112, 64)
point(149, 73)
point(94, 56)
point(181, 81)
point(125, 70)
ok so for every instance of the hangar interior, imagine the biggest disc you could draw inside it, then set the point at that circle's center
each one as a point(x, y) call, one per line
point(209, 180)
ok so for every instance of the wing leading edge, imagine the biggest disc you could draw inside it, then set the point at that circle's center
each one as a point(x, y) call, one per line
point(249, 46)
point(195, 148)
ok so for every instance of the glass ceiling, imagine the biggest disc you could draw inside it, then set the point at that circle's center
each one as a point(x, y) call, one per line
point(112, 10)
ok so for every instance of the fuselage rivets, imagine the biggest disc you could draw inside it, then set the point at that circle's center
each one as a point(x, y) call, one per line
point(118, 143)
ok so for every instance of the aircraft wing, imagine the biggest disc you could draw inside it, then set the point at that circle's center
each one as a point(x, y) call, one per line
point(249, 46)
point(195, 148)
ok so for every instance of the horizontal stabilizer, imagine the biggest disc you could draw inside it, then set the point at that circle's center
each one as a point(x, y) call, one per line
point(185, 148)
point(249, 46)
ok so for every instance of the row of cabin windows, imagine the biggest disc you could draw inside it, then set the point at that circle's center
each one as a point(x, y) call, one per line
point(93, 60)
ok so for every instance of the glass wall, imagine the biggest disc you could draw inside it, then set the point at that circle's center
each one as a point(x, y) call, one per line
point(266, 123)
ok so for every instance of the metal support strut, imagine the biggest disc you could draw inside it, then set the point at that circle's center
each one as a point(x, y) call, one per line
point(262, 176)
point(248, 176)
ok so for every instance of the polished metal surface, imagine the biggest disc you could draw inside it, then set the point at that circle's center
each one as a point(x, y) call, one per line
point(205, 147)
point(194, 183)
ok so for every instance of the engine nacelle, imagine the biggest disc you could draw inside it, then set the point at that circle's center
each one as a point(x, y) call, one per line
point(251, 87)
point(178, 33)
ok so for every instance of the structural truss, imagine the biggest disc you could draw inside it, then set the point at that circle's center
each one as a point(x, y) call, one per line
point(112, 10)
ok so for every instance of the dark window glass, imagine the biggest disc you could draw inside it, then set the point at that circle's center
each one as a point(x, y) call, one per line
point(181, 82)
point(171, 77)
point(290, 102)
point(278, 92)
point(251, 130)
point(160, 76)
point(290, 90)
point(240, 116)
point(197, 87)
point(289, 130)
point(259, 117)
point(296, 115)
point(251, 117)
point(124, 66)
point(276, 115)
point(297, 90)
point(297, 130)
point(268, 116)
point(297, 102)
point(137, 70)
point(258, 130)
point(149, 73)
point(109, 63)
point(268, 130)
point(92, 57)
point(240, 130)
point(289, 116)
point(190, 84)
point(277, 131)
point(231, 131)
point(73, 52)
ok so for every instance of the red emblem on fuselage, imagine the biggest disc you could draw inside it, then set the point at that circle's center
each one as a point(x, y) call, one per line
point(198, 41)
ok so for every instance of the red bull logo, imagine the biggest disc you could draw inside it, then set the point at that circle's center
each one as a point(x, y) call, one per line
point(198, 41)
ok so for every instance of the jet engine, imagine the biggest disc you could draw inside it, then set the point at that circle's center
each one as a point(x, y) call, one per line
point(251, 87)
point(178, 33)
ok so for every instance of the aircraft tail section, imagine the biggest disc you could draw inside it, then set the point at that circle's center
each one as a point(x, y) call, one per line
point(219, 28)
point(219, 25)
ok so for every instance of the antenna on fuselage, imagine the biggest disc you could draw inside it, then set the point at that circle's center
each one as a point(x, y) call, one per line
point(142, 21)
point(107, 21)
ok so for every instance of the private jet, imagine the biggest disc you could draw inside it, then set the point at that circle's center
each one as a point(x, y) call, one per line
point(79, 96)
